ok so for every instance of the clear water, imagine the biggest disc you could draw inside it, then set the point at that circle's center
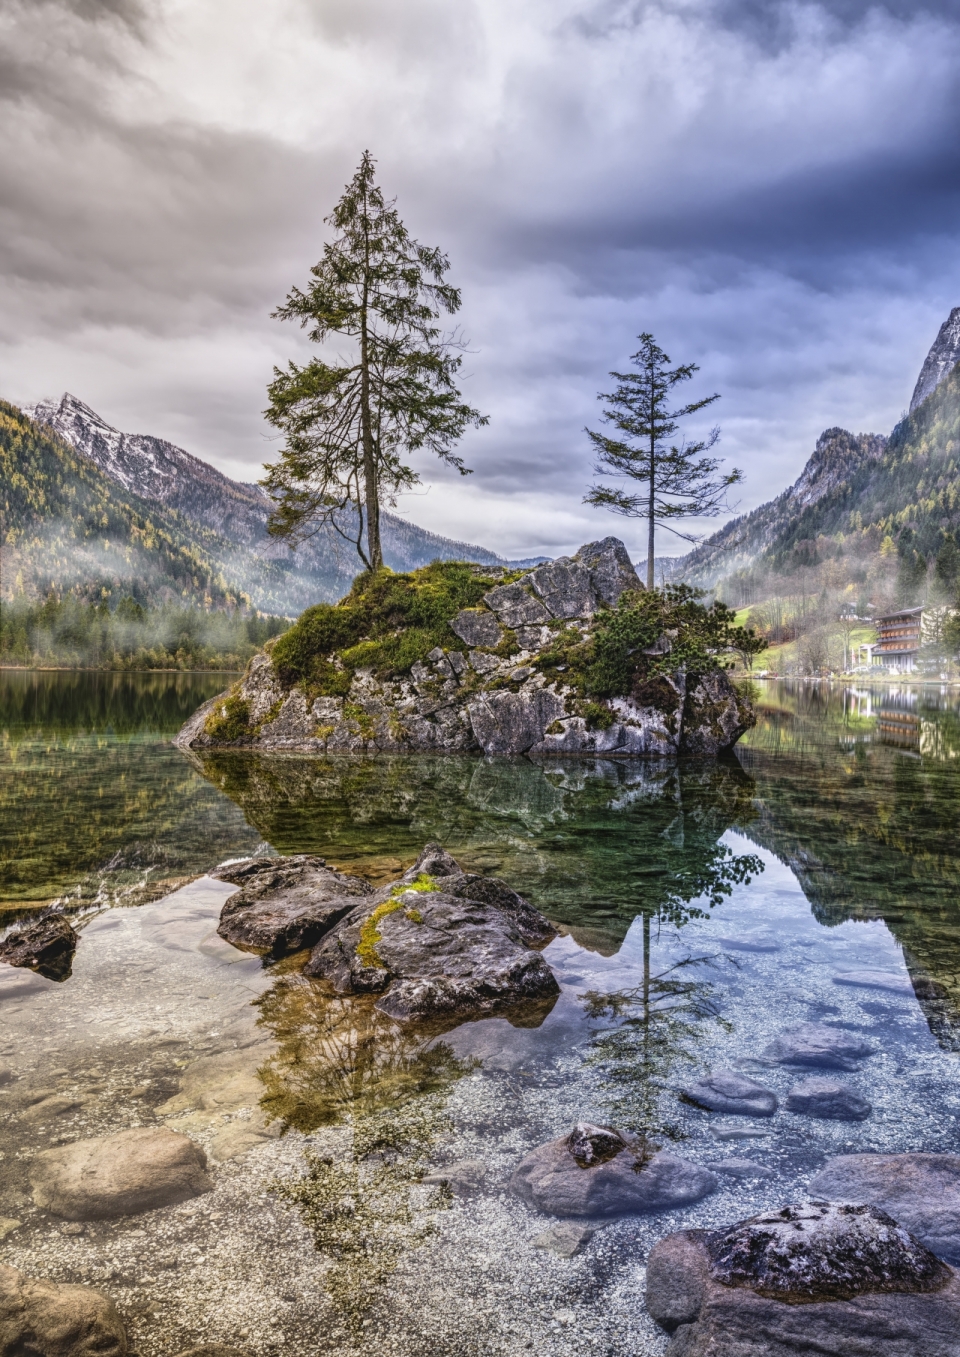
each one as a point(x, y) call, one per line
point(717, 901)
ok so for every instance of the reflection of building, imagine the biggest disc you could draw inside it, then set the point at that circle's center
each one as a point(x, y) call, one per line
point(901, 728)
point(898, 640)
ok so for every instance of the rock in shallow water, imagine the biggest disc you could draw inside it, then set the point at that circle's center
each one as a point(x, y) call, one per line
point(729, 1091)
point(741, 1168)
point(119, 1175)
point(440, 953)
point(47, 946)
point(813, 1043)
point(550, 1179)
point(827, 1099)
point(819, 1277)
point(39, 1318)
point(565, 1239)
point(921, 1191)
point(285, 904)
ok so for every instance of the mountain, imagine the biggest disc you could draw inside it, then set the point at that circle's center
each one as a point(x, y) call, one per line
point(942, 359)
point(68, 527)
point(856, 492)
point(231, 516)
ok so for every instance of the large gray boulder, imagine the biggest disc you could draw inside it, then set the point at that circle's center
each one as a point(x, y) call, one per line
point(476, 627)
point(46, 946)
point(39, 1318)
point(463, 947)
point(285, 904)
point(815, 1044)
point(621, 1177)
point(819, 1277)
point(119, 1175)
point(921, 1191)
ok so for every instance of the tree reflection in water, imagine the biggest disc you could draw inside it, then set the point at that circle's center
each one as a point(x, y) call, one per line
point(340, 1061)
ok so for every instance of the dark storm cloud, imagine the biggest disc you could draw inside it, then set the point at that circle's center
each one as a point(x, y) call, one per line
point(773, 189)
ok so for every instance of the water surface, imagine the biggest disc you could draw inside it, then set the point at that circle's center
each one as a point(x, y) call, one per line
point(702, 908)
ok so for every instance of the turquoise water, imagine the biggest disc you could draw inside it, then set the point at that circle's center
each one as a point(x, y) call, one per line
point(702, 909)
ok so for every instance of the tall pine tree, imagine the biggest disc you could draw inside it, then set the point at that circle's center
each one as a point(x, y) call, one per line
point(680, 481)
point(348, 424)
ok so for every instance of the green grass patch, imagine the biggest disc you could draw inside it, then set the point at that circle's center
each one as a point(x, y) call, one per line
point(230, 719)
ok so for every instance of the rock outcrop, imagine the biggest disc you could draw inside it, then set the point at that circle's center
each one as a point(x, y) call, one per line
point(46, 945)
point(39, 1318)
point(490, 686)
point(439, 945)
point(119, 1175)
point(922, 1191)
point(943, 357)
point(599, 1171)
point(818, 1277)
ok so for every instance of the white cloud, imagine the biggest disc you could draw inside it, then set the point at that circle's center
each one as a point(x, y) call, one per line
point(777, 210)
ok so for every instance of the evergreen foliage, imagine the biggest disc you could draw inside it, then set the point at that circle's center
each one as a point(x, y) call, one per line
point(680, 481)
point(65, 632)
point(348, 424)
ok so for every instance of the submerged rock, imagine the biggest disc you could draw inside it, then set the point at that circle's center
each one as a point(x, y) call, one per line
point(439, 944)
point(741, 1168)
point(813, 1043)
point(119, 1175)
point(46, 945)
point(921, 1191)
point(615, 1182)
point(285, 904)
point(565, 1239)
point(867, 979)
point(817, 1277)
point(39, 1318)
point(729, 1091)
point(827, 1099)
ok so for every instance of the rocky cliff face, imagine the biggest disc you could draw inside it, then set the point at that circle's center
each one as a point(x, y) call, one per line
point(237, 512)
point(837, 456)
point(487, 689)
point(943, 357)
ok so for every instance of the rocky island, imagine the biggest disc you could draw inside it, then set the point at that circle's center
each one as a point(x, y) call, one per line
point(574, 657)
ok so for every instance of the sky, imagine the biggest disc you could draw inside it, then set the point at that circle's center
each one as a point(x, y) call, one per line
point(772, 189)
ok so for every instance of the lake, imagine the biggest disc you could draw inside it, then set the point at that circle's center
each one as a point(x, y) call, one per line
point(701, 910)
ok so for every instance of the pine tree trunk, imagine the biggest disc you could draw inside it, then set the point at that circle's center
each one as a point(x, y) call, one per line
point(371, 488)
point(651, 520)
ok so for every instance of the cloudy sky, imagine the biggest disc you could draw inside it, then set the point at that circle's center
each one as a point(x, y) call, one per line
point(772, 188)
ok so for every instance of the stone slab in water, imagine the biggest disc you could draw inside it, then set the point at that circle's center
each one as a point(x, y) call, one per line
point(868, 979)
point(822, 1047)
point(817, 1277)
point(827, 1099)
point(285, 904)
point(550, 1179)
point(46, 945)
point(565, 1239)
point(119, 1175)
point(741, 1168)
point(921, 1191)
point(731, 1092)
point(40, 1318)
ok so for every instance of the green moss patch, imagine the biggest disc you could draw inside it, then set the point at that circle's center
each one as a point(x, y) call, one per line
point(370, 932)
point(230, 719)
point(386, 624)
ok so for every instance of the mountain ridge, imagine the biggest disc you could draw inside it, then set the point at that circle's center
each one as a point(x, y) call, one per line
point(237, 513)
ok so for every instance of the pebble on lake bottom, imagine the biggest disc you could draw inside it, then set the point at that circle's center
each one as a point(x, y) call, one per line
point(564, 1239)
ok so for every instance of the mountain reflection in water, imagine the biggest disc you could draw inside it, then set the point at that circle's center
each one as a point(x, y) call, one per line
point(857, 791)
